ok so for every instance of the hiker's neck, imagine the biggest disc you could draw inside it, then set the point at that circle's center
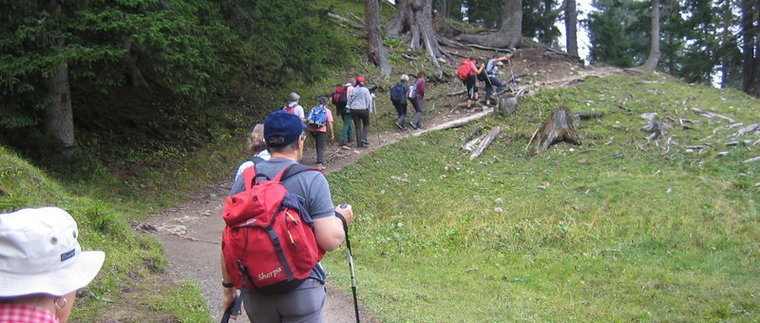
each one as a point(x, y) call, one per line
point(292, 155)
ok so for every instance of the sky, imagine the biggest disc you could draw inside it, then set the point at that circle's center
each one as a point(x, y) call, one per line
point(584, 42)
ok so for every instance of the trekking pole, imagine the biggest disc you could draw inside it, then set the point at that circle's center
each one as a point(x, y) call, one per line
point(512, 74)
point(350, 257)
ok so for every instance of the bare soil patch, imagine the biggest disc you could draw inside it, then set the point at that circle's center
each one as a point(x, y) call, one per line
point(194, 254)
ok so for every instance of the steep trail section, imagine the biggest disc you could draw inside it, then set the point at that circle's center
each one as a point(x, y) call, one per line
point(191, 230)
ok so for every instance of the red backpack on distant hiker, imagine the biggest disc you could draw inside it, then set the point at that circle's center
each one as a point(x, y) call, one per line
point(340, 96)
point(268, 242)
point(465, 69)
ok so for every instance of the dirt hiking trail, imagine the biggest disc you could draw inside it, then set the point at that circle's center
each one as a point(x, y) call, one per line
point(191, 230)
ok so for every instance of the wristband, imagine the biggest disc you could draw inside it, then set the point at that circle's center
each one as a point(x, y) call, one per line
point(227, 285)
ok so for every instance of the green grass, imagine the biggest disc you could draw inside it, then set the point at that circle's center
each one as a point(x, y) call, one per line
point(636, 232)
point(130, 258)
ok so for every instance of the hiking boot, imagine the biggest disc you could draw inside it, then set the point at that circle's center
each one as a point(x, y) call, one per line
point(413, 125)
point(399, 125)
point(321, 166)
point(365, 142)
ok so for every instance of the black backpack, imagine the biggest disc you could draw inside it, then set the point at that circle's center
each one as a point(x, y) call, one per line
point(483, 76)
point(398, 93)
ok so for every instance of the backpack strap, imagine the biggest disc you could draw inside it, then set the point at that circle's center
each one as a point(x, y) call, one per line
point(293, 170)
point(249, 176)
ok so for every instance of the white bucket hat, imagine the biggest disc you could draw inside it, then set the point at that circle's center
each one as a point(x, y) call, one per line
point(39, 254)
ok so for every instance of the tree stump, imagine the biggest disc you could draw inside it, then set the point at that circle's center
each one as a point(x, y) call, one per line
point(507, 105)
point(558, 127)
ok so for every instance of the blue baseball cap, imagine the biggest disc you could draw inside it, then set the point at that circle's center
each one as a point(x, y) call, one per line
point(286, 125)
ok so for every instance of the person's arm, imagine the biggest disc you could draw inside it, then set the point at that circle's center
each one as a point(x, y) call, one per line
point(229, 292)
point(329, 230)
point(330, 121)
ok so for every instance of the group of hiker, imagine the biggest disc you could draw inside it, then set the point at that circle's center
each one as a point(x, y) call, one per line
point(402, 93)
point(470, 71)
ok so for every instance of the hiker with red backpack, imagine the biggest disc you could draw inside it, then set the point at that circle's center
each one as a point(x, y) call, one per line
point(277, 231)
point(340, 99)
point(467, 73)
point(319, 121)
point(294, 107)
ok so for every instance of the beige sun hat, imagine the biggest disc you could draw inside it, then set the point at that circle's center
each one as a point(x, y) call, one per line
point(40, 254)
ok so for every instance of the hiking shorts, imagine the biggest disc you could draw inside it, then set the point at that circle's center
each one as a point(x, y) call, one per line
point(304, 304)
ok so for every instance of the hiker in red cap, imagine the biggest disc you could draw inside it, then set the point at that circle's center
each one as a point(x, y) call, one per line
point(360, 105)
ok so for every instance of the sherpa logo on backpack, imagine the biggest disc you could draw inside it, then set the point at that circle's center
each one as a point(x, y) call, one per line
point(318, 117)
point(268, 242)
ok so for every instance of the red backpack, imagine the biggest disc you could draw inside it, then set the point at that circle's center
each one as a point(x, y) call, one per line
point(268, 242)
point(290, 108)
point(465, 69)
point(340, 95)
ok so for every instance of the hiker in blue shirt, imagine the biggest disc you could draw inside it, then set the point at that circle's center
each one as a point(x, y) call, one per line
point(285, 136)
point(492, 71)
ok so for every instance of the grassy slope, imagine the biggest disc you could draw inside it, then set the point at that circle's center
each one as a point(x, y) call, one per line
point(645, 235)
point(130, 258)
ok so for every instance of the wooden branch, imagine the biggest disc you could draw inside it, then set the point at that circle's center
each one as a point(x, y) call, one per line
point(486, 142)
point(753, 159)
point(353, 24)
point(711, 114)
point(477, 46)
point(457, 93)
point(531, 138)
point(456, 123)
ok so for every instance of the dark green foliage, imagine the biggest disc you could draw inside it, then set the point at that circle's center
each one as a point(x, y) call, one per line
point(284, 40)
point(539, 18)
point(616, 33)
point(484, 12)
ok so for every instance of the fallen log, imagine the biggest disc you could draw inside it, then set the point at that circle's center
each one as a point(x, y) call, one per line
point(456, 123)
point(558, 127)
point(457, 93)
point(745, 130)
point(753, 159)
point(486, 142)
point(585, 115)
point(470, 145)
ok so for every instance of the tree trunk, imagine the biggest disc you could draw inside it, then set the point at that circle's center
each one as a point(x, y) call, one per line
point(510, 29)
point(571, 28)
point(400, 24)
point(136, 78)
point(376, 51)
point(654, 48)
point(58, 121)
point(414, 21)
point(748, 45)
